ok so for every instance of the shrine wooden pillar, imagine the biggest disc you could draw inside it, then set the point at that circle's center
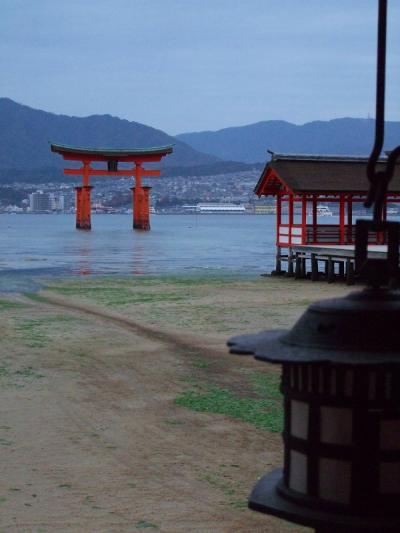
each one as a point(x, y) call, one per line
point(291, 216)
point(83, 207)
point(278, 215)
point(341, 219)
point(314, 217)
point(291, 258)
point(349, 219)
point(304, 219)
point(278, 259)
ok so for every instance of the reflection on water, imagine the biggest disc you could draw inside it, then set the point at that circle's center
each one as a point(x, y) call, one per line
point(138, 259)
point(37, 245)
point(84, 254)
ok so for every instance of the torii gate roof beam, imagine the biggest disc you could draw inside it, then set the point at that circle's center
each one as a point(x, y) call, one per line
point(72, 153)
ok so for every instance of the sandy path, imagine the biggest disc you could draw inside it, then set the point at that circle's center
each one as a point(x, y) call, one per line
point(90, 436)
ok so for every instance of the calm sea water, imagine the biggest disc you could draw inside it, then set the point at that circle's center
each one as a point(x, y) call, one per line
point(37, 246)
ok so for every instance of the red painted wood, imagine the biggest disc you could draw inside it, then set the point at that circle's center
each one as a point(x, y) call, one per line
point(291, 221)
point(314, 217)
point(85, 173)
point(141, 204)
point(341, 233)
point(99, 172)
point(278, 216)
point(303, 219)
point(141, 216)
point(83, 209)
point(349, 219)
point(341, 219)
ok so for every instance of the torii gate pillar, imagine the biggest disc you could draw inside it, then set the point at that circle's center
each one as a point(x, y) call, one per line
point(141, 207)
point(140, 200)
point(83, 207)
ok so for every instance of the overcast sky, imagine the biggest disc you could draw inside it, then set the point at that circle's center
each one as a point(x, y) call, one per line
point(190, 65)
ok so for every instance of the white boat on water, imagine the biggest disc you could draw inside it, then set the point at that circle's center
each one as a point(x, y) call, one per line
point(220, 209)
point(322, 211)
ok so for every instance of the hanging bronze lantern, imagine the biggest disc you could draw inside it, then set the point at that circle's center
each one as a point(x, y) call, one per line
point(341, 384)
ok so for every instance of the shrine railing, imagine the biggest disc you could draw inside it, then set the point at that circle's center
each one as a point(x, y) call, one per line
point(329, 234)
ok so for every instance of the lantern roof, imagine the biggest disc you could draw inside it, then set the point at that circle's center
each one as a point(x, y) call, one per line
point(319, 174)
point(338, 331)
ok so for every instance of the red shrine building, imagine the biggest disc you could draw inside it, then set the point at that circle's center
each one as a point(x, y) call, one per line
point(134, 157)
point(307, 187)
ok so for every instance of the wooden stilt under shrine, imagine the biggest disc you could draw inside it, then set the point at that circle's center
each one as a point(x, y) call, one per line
point(113, 156)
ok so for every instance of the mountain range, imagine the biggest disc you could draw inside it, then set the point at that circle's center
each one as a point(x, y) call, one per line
point(25, 134)
point(343, 136)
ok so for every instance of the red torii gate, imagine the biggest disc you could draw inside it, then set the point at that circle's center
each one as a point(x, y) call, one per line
point(112, 156)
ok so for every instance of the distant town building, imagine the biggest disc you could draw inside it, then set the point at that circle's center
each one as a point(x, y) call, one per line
point(68, 201)
point(57, 201)
point(13, 209)
point(45, 202)
point(40, 202)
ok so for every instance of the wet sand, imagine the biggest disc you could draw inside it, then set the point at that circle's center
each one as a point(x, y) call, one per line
point(91, 435)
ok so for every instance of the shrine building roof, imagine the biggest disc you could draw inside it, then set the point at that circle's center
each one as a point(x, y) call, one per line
point(319, 174)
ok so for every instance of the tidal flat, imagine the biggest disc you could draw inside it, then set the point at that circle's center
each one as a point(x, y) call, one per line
point(122, 408)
